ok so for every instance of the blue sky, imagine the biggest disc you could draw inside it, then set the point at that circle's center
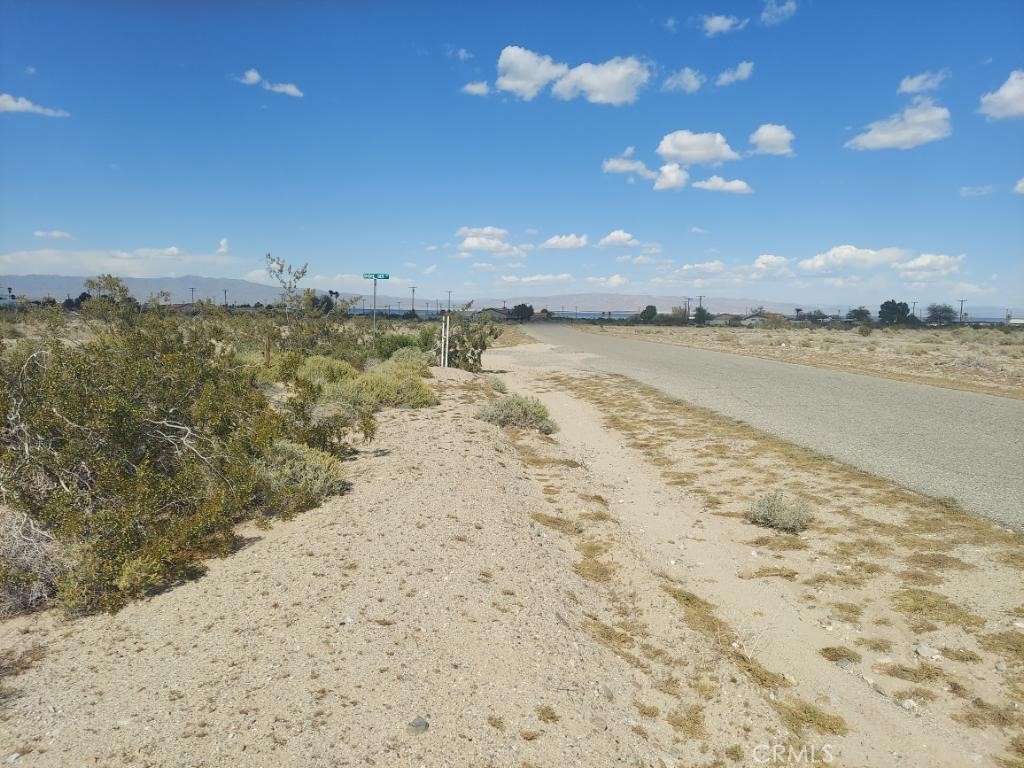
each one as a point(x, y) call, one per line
point(791, 149)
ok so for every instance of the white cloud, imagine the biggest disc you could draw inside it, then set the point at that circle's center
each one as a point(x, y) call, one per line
point(459, 53)
point(614, 82)
point(484, 266)
point(979, 191)
point(625, 164)
point(525, 73)
point(844, 256)
point(223, 246)
point(670, 24)
point(769, 265)
point(618, 238)
point(627, 259)
point(29, 70)
point(929, 267)
point(1008, 101)
point(772, 139)
point(430, 270)
point(253, 77)
point(687, 148)
point(686, 80)
point(565, 242)
point(139, 262)
point(478, 88)
point(671, 176)
point(719, 25)
point(289, 89)
point(493, 240)
point(926, 81)
point(920, 123)
point(698, 230)
point(482, 232)
point(1019, 187)
point(559, 278)
point(775, 12)
point(612, 281)
point(705, 267)
point(10, 103)
point(741, 71)
point(53, 234)
point(718, 184)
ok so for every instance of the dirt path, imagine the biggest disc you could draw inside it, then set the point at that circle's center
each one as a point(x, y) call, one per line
point(491, 598)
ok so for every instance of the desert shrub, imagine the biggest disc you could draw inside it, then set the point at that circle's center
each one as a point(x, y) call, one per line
point(864, 330)
point(387, 345)
point(497, 384)
point(294, 477)
point(325, 370)
point(773, 510)
point(135, 450)
point(31, 562)
point(518, 411)
point(467, 342)
point(387, 385)
point(414, 358)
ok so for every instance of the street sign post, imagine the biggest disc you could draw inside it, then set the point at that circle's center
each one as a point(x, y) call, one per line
point(375, 276)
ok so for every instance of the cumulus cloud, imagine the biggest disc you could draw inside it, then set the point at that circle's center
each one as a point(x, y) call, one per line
point(616, 81)
point(53, 234)
point(718, 184)
point(688, 148)
point(769, 265)
point(223, 246)
point(612, 281)
point(626, 164)
point(719, 25)
point(627, 259)
point(251, 77)
point(929, 267)
point(565, 242)
point(671, 176)
point(979, 191)
point(926, 81)
point(920, 123)
point(618, 238)
point(741, 71)
point(686, 80)
point(542, 278)
point(1006, 102)
point(525, 73)
point(705, 267)
point(775, 12)
point(478, 88)
point(846, 256)
point(10, 103)
point(488, 231)
point(772, 139)
point(493, 240)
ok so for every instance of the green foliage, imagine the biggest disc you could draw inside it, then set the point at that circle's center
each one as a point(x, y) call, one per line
point(497, 384)
point(325, 370)
point(467, 342)
point(859, 315)
point(414, 358)
point(522, 312)
point(893, 312)
point(772, 510)
point(941, 314)
point(294, 477)
point(864, 330)
point(701, 316)
point(31, 562)
point(518, 411)
point(648, 313)
point(387, 345)
point(388, 385)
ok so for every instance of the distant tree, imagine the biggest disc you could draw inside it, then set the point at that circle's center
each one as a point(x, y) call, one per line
point(893, 312)
point(859, 315)
point(941, 314)
point(815, 316)
point(759, 310)
point(522, 312)
point(76, 304)
point(288, 277)
point(649, 313)
point(683, 312)
point(701, 316)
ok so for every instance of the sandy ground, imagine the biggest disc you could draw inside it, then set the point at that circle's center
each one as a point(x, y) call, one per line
point(485, 597)
point(977, 360)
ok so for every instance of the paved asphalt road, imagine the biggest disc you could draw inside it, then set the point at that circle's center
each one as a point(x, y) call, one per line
point(941, 442)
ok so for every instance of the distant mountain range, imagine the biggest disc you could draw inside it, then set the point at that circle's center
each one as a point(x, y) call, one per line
point(246, 292)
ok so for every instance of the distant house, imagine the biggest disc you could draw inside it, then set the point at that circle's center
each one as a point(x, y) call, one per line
point(7, 300)
point(497, 314)
point(754, 321)
point(544, 314)
point(724, 319)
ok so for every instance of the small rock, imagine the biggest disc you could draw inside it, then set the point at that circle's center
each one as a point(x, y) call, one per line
point(927, 652)
point(419, 725)
point(346, 620)
point(15, 757)
point(909, 704)
point(745, 573)
point(789, 678)
point(843, 663)
point(608, 693)
point(1000, 666)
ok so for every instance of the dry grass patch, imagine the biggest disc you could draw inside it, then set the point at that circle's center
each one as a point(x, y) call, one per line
point(836, 653)
point(1009, 645)
point(875, 644)
point(560, 524)
point(782, 542)
point(616, 640)
point(646, 710)
point(800, 716)
point(923, 606)
point(962, 655)
point(916, 693)
point(936, 561)
point(592, 567)
point(922, 673)
point(920, 578)
point(774, 571)
point(848, 612)
point(547, 715)
point(496, 723)
point(980, 713)
point(527, 735)
point(689, 722)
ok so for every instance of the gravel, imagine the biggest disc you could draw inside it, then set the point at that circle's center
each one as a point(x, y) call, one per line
point(941, 442)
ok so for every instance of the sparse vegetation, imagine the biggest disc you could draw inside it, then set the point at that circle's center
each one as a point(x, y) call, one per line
point(518, 411)
point(773, 510)
point(840, 653)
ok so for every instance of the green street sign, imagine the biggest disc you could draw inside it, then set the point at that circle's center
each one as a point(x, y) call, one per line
point(376, 275)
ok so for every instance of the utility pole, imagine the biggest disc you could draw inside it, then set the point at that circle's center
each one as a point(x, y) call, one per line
point(449, 301)
point(700, 302)
point(913, 308)
point(193, 302)
point(962, 311)
point(414, 299)
point(225, 297)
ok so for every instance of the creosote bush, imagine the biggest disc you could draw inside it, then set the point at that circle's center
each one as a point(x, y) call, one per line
point(294, 477)
point(773, 510)
point(518, 411)
point(31, 562)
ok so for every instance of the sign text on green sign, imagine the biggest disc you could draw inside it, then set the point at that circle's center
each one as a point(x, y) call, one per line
point(376, 275)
